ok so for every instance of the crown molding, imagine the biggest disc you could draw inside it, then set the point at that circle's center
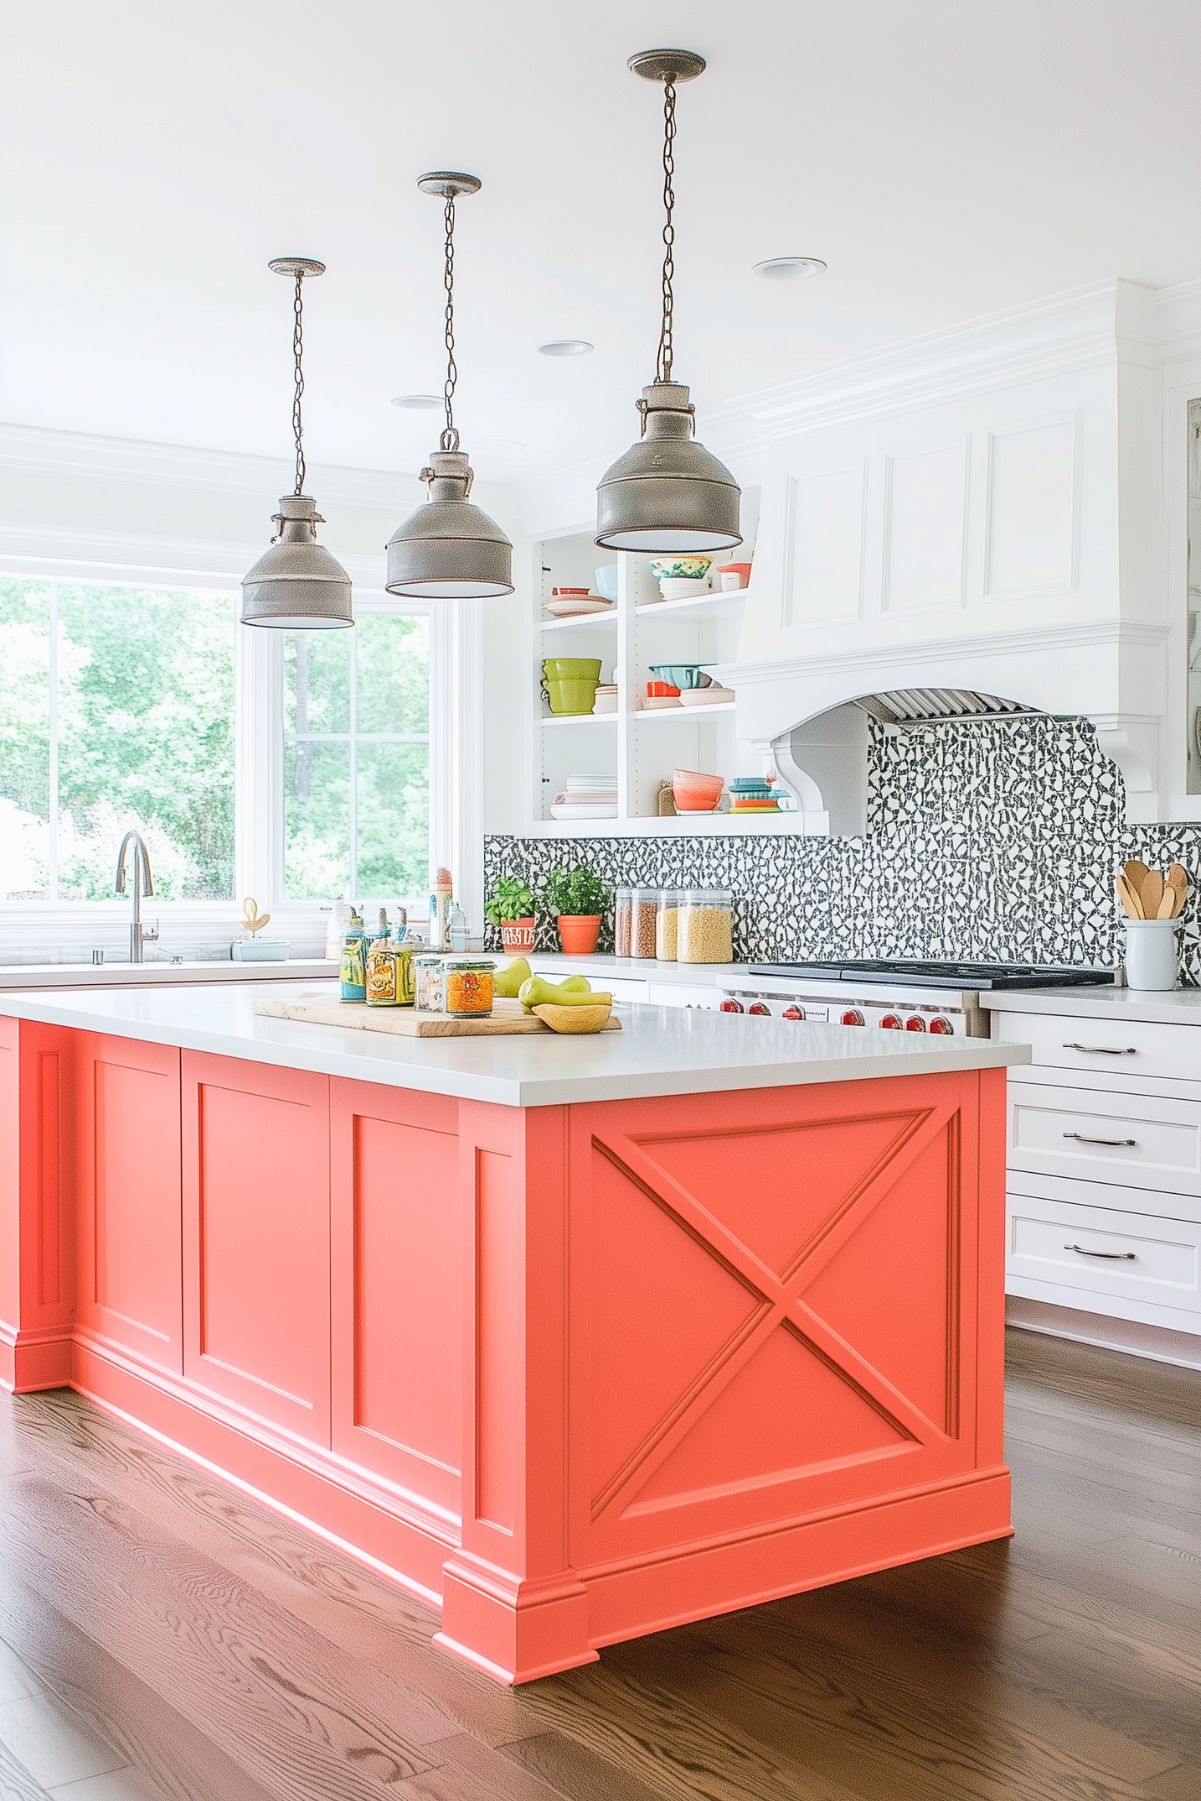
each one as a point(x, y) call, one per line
point(180, 466)
point(1064, 332)
point(129, 557)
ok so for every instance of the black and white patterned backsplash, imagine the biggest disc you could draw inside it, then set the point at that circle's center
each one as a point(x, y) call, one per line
point(987, 841)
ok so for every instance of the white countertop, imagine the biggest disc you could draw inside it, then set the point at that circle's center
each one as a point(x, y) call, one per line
point(1178, 1006)
point(19, 977)
point(660, 1051)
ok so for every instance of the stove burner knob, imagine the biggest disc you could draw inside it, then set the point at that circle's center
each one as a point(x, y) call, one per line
point(793, 1013)
point(915, 1023)
point(758, 1007)
point(890, 1023)
point(941, 1025)
point(731, 1006)
point(852, 1017)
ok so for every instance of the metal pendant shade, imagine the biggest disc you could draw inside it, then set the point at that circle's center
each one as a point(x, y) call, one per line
point(667, 494)
point(449, 549)
point(296, 583)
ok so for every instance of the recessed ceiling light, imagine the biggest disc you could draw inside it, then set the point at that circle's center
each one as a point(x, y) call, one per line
point(566, 347)
point(418, 403)
point(790, 268)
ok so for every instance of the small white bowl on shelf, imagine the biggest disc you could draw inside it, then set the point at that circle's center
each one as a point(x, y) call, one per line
point(681, 588)
point(575, 606)
point(706, 697)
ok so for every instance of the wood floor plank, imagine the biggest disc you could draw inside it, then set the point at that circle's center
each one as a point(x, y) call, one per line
point(16, 1784)
point(181, 1762)
point(355, 1608)
point(1180, 1784)
point(242, 1676)
point(470, 1771)
point(577, 1773)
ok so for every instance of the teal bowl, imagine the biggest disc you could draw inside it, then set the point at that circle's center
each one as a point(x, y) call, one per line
point(682, 675)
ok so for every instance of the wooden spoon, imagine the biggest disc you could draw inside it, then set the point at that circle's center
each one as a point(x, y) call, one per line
point(1178, 884)
point(1129, 899)
point(1136, 873)
point(1151, 893)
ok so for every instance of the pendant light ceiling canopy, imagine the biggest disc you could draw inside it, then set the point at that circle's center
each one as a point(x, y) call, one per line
point(297, 583)
point(449, 549)
point(667, 493)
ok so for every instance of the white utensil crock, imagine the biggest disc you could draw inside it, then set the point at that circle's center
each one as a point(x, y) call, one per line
point(1151, 953)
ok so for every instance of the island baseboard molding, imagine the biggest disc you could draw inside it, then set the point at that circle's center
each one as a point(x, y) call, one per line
point(569, 1373)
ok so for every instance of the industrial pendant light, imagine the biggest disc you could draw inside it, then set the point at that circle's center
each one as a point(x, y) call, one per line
point(667, 493)
point(297, 583)
point(449, 549)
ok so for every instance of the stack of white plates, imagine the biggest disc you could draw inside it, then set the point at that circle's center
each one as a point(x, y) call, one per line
point(586, 797)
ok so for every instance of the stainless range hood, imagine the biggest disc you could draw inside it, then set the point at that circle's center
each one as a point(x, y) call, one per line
point(907, 709)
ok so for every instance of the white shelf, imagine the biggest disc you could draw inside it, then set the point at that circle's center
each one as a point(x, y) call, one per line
point(560, 719)
point(577, 620)
point(725, 605)
point(720, 706)
point(687, 825)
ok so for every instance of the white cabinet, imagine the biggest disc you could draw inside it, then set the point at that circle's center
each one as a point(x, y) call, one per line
point(1104, 1167)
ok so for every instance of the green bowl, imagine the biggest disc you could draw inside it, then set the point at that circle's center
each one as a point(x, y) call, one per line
point(566, 669)
point(577, 696)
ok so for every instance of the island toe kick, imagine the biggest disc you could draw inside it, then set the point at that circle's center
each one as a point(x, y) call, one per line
point(569, 1373)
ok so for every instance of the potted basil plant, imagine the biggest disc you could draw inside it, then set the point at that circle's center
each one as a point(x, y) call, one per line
point(579, 898)
point(511, 907)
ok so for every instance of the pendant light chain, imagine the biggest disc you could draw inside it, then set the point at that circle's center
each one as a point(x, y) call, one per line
point(664, 359)
point(450, 437)
point(298, 390)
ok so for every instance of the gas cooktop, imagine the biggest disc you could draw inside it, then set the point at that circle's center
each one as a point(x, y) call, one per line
point(939, 975)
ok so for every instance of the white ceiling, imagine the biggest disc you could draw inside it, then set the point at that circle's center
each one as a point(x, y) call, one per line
point(948, 158)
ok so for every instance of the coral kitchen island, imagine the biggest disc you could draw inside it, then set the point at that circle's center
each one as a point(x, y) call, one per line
point(579, 1338)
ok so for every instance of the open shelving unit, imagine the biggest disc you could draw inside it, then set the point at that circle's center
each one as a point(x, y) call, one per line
point(638, 749)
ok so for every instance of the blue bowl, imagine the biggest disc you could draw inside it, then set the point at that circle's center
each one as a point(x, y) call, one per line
point(606, 581)
point(682, 675)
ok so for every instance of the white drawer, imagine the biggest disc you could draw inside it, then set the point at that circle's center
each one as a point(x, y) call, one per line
point(1158, 1203)
point(1099, 1253)
point(1107, 1047)
point(1131, 1139)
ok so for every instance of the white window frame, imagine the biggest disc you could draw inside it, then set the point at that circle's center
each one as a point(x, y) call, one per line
point(456, 822)
point(259, 854)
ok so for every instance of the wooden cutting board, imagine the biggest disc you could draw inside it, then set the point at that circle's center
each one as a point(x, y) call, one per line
point(507, 1017)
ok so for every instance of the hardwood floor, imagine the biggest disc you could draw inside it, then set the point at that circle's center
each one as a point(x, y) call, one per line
point(163, 1638)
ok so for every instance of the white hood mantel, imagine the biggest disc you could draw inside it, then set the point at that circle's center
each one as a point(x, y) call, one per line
point(1022, 536)
point(799, 711)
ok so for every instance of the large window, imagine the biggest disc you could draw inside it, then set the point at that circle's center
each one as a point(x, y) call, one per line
point(116, 709)
point(356, 813)
point(295, 766)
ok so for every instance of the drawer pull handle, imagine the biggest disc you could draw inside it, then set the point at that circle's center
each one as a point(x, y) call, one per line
point(1104, 1050)
point(1110, 1256)
point(1116, 1143)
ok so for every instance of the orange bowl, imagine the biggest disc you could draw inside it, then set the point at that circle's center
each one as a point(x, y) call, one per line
point(693, 789)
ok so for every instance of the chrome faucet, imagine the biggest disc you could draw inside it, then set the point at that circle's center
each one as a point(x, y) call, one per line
point(143, 884)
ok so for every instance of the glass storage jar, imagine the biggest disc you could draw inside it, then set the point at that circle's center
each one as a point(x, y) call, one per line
point(644, 905)
point(705, 932)
point(469, 987)
point(623, 919)
point(667, 916)
point(427, 977)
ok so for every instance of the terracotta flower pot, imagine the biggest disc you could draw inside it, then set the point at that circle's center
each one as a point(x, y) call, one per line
point(578, 933)
point(517, 935)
